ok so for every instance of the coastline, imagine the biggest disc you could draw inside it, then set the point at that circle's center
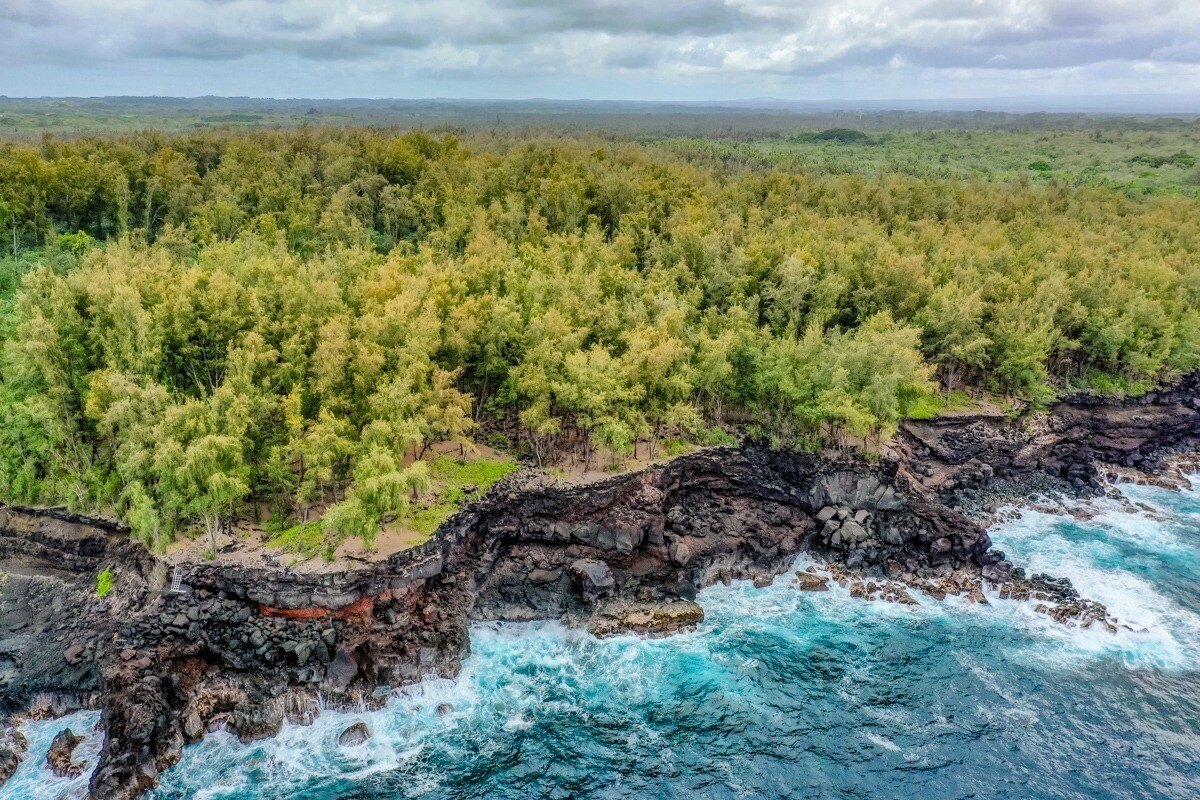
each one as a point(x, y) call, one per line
point(247, 649)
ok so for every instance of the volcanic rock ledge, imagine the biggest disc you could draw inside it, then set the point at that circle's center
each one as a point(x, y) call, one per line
point(247, 649)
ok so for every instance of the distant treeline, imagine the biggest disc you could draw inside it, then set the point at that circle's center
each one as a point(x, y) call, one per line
point(31, 117)
point(209, 321)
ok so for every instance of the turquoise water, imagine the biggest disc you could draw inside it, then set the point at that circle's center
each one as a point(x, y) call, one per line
point(32, 779)
point(786, 694)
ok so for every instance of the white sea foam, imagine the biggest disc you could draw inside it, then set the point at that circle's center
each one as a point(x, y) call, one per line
point(879, 741)
point(1107, 558)
point(1099, 555)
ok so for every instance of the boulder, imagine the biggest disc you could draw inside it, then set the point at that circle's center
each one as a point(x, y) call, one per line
point(340, 671)
point(825, 514)
point(628, 538)
point(655, 619)
point(355, 735)
point(679, 552)
point(862, 590)
point(852, 533)
point(998, 572)
point(193, 726)
point(856, 490)
point(542, 576)
point(303, 651)
point(594, 578)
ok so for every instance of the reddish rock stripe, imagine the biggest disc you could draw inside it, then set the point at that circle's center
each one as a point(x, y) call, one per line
point(356, 609)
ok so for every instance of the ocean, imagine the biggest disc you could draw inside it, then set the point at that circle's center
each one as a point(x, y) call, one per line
point(785, 694)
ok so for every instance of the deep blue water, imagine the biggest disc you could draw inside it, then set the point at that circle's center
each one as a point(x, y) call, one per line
point(787, 694)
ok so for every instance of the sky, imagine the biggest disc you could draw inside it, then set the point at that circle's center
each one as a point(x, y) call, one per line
point(600, 49)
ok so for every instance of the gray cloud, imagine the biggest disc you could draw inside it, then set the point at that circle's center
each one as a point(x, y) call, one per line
point(731, 42)
point(701, 17)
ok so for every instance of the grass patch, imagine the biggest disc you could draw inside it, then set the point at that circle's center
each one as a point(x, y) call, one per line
point(104, 582)
point(677, 447)
point(454, 483)
point(303, 539)
point(710, 437)
point(1107, 385)
point(932, 405)
point(480, 473)
point(426, 519)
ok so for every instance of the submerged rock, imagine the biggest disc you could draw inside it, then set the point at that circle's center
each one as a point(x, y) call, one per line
point(654, 618)
point(811, 582)
point(355, 735)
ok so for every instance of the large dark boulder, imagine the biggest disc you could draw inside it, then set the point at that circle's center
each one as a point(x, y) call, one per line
point(594, 577)
point(341, 670)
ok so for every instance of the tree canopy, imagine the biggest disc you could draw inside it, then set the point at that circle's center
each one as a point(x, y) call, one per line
point(214, 322)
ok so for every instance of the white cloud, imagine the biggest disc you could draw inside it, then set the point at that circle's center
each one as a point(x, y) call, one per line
point(584, 43)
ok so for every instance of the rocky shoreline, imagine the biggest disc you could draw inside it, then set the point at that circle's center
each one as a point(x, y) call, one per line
point(246, 649)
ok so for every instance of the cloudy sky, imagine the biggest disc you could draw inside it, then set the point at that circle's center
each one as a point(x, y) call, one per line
point(603, 49)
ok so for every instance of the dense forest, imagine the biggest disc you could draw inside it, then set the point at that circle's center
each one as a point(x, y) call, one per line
point(200, 326)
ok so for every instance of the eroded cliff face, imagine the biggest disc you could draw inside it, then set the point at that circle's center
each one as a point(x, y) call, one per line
point(952, 453)
point(653, 538)
point(247, 649)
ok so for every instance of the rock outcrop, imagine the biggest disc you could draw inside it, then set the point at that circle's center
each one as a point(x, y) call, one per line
point(963, 452)
point(60, 757)
point(13, 749)
point(245, 650)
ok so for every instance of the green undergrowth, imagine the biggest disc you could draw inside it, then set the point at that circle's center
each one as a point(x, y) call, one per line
point(677, 447)
point(931, 405)
point(703, 437)
point(455, 482)
point(1106, 385)
point(305, 539)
